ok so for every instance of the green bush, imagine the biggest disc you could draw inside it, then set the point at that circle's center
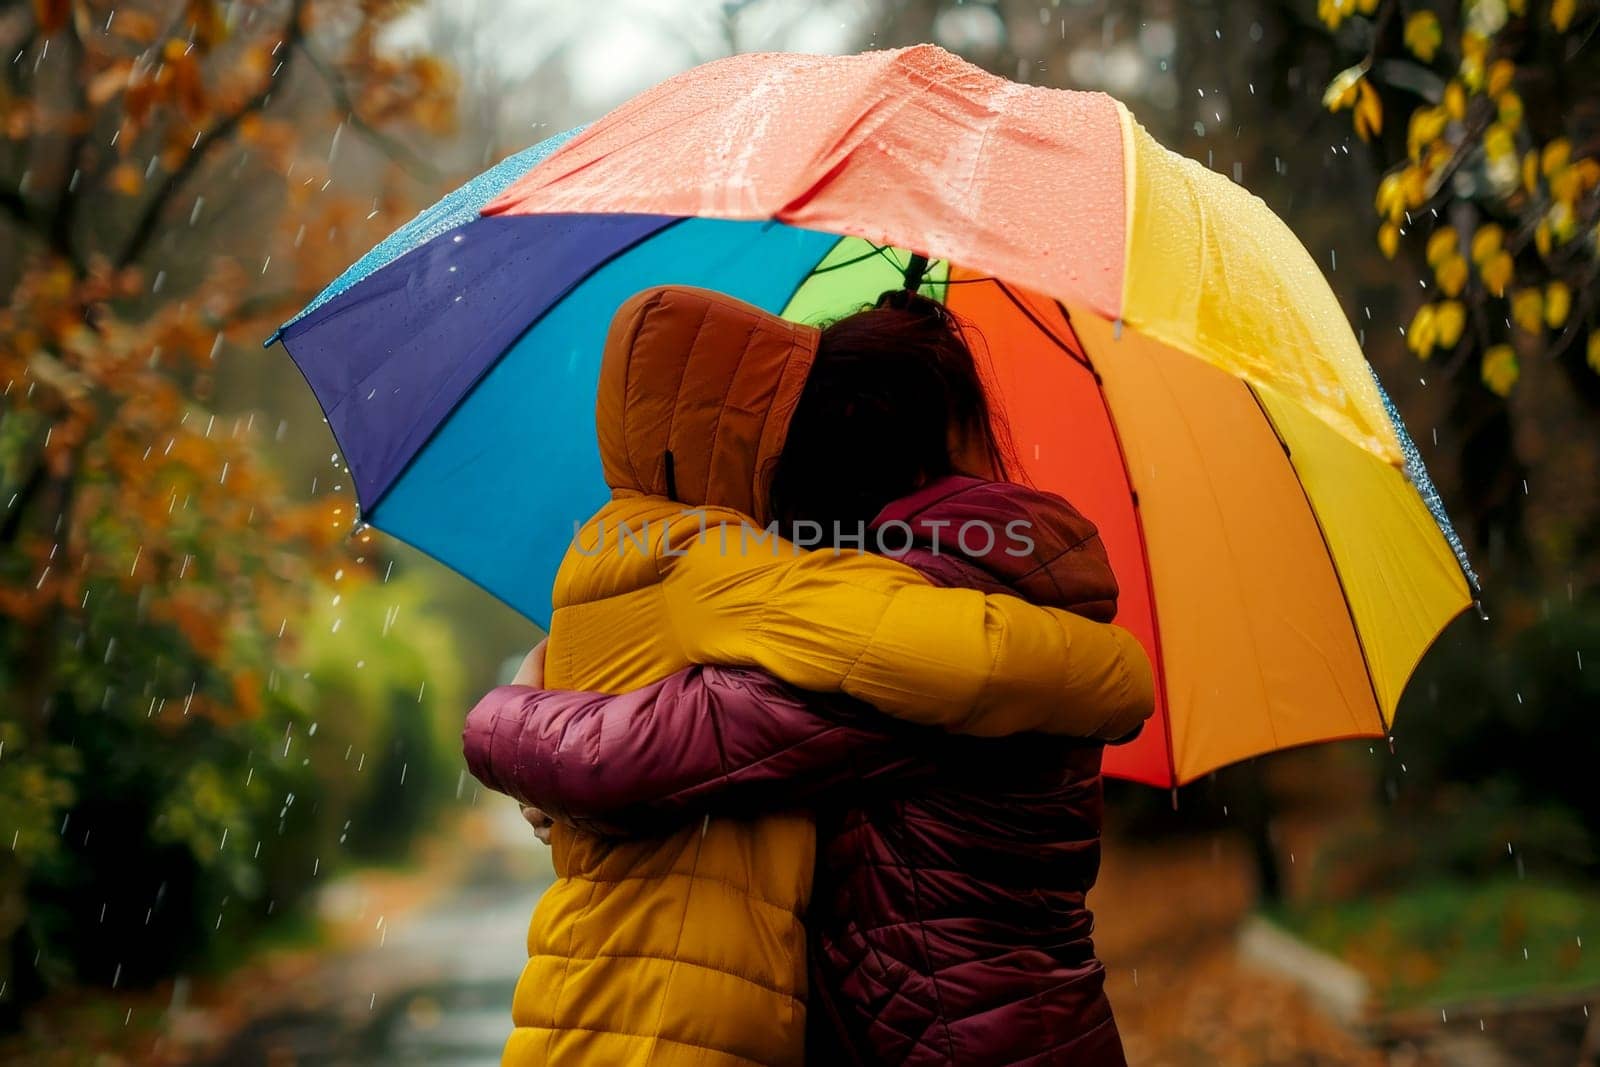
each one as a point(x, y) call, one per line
point(147, 839)
point(389, 685)
point(1499, 733)
point(1439, 942)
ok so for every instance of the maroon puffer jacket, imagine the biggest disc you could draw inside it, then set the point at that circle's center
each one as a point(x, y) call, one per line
point(948, 923)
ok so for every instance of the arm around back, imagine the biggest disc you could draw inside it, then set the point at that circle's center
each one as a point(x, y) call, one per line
point(965, 661)
point(706, 738)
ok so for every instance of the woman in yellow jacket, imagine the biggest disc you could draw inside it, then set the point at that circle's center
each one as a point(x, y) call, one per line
point(690, 949)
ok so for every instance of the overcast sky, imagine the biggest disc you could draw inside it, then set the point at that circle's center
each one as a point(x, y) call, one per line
point(615, 48)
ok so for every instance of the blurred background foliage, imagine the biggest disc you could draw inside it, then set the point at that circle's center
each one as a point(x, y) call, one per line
point(214, 694)
point(217, 687)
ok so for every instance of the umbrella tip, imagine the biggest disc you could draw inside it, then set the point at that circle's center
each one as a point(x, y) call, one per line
point(916, 270)
point(269, 342)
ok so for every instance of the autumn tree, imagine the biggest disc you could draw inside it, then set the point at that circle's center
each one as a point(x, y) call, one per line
point(1485, 119)
point(170, 187)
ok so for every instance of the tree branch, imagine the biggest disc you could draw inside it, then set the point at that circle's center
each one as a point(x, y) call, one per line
point(66, 209)
point(32, 486)
point(418, 167)
point(150, 217)
point(1440, 180)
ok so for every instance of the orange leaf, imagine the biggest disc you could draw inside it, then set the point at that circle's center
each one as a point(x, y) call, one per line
point(51, 15)
point(210, 29)
point(109, 82)
point(136, 26)
point(126, 179)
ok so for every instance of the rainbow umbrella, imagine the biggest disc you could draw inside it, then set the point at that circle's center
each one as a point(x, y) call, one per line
point(1167, 354)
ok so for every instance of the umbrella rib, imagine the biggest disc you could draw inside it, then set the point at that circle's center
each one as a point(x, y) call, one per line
point(1160, 664)
point(1076, 356)
point(853, 260)
point(1327, 546)
point(371, 512)
point(808, 275)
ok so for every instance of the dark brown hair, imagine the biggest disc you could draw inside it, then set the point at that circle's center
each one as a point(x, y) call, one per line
point(894, 400)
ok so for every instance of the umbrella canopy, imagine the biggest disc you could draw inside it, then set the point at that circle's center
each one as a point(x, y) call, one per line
point(1167, 355)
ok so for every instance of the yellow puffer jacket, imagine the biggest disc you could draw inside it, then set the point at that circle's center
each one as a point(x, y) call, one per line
point(690, 949)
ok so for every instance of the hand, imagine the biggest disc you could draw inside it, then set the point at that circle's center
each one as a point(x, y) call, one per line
point(531, 673)
point(540, 822)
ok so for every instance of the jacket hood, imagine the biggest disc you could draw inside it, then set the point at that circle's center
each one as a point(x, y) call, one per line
point(1042, 548)
point(696, 393)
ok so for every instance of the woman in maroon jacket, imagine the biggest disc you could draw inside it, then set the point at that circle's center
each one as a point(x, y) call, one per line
point(948, 922)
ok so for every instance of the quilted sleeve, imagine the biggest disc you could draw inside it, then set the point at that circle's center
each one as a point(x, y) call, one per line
point(966, 661)
point(704, 739)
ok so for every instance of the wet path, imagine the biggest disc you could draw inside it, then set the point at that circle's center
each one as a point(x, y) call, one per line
point(433, 986)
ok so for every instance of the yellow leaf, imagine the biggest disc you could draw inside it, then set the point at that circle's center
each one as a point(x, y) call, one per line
point(1517, 7)
point(1455, 100)
point(1486, 17)
point(1391, 198)
point(1510, 109)
point(1369, 111)
point(1423, 35)
point(1414, 180)
point(1389, 239)
point(1498, 142)
point(1588, 172)
point(1542, 239)
point(1557, 304)
point(1486, 242)
point(1367, 7)
point(1566, 184)
point(1341, 92)
point(1442, 244)
point(1561, 12)
point(1424, 332)
point(1563, 223)
point(1555, 156)
point(1328, 11)
point(1496, 272)
point(1527, 310)
point(1427, 123)
point(1501, 74)
point(1500, 369)
point(1449, 319)
point(1452, 275)
point(1594, 351)
point(1530, 171)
